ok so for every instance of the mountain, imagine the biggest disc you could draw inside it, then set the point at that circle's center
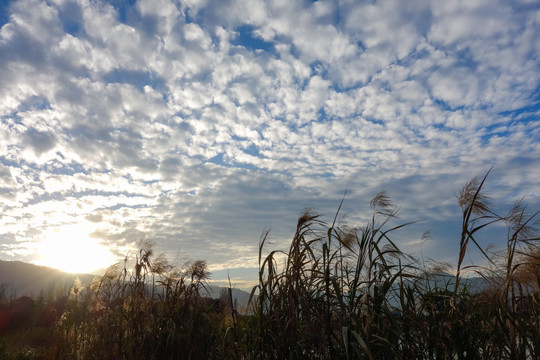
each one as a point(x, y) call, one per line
point(23, 279)
point(448, 281)
point(240, 297)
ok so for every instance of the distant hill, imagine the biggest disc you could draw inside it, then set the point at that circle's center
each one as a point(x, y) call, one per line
point(441, 281)
point(240, 297)
point(474, 284)
point(18, 278)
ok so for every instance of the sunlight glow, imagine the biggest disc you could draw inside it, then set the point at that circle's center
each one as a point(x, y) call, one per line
point(69, 248)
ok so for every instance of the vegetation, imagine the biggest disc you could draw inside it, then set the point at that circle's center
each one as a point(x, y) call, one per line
point(337, 293)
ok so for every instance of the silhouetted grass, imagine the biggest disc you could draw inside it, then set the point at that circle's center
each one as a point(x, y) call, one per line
point(338, 292)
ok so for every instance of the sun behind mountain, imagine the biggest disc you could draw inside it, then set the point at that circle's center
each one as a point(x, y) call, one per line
point(69, 248)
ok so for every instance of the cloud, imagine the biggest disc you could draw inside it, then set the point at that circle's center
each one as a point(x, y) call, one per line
point(40, 141)
point(201, 123)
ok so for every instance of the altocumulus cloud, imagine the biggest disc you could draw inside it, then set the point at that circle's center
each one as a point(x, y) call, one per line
point(199, 124)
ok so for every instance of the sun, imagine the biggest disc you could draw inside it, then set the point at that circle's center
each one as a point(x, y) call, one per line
point(70, 249)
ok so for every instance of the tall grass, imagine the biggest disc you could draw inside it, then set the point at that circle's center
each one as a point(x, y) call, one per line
point(153, 311)
point(352, 293)
point(337, 292)
point(332, 299)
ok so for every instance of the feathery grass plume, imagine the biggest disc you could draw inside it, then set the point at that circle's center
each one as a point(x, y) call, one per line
point(473, 201)
point(76, 288)
point(522, 226)
point(528, 273)
point(522, 231)
point(347, 236)
point(383, 204)
point(160, 265)
point(437, 268)
point(198, 270)
point(426, 236)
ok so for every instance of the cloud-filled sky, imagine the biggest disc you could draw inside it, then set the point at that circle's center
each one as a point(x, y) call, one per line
point(198, 124)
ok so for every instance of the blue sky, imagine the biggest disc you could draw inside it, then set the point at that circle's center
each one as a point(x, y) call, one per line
point(198, 124)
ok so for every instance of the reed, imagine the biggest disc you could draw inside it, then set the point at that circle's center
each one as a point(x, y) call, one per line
point(337, 292)
point(348, 292)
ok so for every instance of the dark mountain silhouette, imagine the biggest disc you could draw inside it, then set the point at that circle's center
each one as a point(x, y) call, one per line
point(240, 297)
point(22, 279)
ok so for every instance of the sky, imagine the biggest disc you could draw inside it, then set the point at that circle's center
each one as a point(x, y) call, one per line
point(198, 124)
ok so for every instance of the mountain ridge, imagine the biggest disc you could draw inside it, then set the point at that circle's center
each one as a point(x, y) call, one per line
point(18, 279)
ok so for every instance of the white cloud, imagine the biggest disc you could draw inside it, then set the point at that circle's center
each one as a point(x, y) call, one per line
point(162, 123)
